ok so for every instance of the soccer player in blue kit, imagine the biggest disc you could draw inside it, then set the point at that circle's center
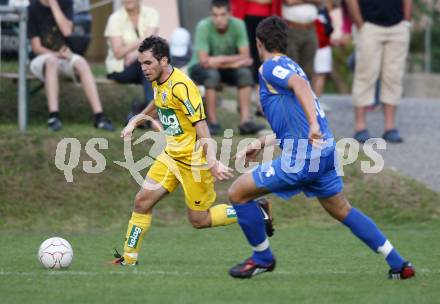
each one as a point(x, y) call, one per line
point(307, 163)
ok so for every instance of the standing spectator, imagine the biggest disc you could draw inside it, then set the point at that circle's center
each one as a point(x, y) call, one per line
point(322, 64)
point(126, 29)
point(222, 54)
point(300, 16)
point(49, 27)
point(381, 50)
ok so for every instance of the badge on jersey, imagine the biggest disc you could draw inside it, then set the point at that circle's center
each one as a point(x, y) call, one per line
point(164, 97)
point(280, 72)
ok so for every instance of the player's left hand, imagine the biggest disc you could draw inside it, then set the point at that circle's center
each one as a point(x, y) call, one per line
point(315, 135)
point(221, 172)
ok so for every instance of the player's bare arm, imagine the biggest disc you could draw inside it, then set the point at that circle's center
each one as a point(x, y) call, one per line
point(218, 170)
point(307, 100)
point(149, 111)
point(251, 151)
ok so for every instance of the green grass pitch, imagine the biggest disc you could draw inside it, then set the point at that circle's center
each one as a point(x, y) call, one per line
point(316, 264)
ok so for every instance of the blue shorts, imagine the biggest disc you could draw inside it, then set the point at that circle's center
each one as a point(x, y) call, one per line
point(288, 180)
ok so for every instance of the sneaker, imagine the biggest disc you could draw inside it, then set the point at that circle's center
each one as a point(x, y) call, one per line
point(249, 269)
point(362, 136)
point(406, 272)
point(54, 124)
point(214, 129)
point(105, 124)
point(266, 210)
point(119, 260)
point(250, 127)
point(392, 136)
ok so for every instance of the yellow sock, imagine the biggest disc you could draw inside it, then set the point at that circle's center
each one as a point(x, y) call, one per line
point(137, 226)
point(222, 215)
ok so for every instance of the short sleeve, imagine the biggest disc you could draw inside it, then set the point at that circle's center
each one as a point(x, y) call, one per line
point(113, 28)
point(190, 101)
point(32, 28)
point(242, 38)
point(201, 37)
point(275, 74)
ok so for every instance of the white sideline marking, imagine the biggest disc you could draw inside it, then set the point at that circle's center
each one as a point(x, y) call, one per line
point(176, 273)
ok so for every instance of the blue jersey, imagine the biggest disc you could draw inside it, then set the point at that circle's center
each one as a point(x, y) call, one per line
point(284, 112)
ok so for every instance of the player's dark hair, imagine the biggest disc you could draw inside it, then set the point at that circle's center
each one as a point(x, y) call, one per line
point(157, 45)
point(272, 33)
point(221, 3)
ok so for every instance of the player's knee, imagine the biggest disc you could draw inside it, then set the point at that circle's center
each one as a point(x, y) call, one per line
point(235, 196)
point(338, 206)
point(142, 202)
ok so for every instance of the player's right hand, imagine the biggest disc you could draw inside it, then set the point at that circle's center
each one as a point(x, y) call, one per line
point(127, 132)
point(221, 172)
point(315, 136)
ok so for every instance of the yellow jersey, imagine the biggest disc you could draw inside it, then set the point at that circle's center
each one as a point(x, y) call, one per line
point(179, 106)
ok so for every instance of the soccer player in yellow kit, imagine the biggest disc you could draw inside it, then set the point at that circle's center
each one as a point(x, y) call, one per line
point(179, 106)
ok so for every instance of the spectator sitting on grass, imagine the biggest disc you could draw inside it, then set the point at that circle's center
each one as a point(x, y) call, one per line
point(49, 27)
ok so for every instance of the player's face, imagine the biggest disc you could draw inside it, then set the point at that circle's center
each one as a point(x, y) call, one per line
point(220, 17)
point(130, 5)
point(151, 67)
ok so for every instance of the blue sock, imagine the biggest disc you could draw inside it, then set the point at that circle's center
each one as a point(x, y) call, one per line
point(395, 260)
point(366, 230)
point(251, 222)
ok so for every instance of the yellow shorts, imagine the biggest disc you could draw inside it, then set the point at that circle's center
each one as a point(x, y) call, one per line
point(197, 183)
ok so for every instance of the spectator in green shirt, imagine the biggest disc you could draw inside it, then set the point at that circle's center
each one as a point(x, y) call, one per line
point(222, 55)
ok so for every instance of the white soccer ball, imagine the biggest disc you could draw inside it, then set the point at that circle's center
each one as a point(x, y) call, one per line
point(55, 253)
